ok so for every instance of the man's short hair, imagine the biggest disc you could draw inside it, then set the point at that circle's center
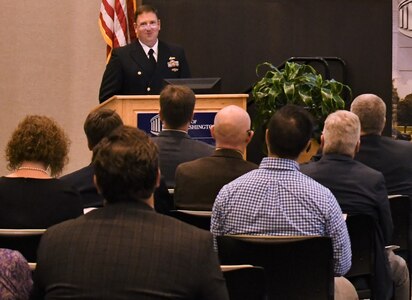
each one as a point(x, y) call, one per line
point(341, 133)
point(146, 8)
point(177, 103)
point(99, 124)
point(371, 111)
point(126, 165)
point(289, 131)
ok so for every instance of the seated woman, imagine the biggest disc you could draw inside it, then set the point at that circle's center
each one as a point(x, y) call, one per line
point(15, 276)
point(31, 196)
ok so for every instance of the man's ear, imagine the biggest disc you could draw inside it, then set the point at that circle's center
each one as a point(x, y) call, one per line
point(96, 185)
point(158, 178)
point(357, 146)
point(308, 146)
point(212, 131)
point(267, 140)
point(322, 141)
point(250, 134)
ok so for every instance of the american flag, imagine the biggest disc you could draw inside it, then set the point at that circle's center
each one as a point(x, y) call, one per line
point(116, 23)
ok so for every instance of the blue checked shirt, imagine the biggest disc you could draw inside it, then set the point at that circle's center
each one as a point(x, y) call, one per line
point(277, 199)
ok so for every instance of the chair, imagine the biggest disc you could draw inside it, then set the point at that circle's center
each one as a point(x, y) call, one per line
point(198, 218)
point(298, 267)
point(244, 282)
point(361, 230)
point(25, 241)
point(401, 209)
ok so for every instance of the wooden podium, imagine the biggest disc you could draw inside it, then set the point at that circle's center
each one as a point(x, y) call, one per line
point(128, 107)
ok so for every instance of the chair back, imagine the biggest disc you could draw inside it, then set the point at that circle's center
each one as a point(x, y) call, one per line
point(401, 210)
point(362, 234)
point(245, 282)
point(200, 219)
point(26, 241)
point(295, 267)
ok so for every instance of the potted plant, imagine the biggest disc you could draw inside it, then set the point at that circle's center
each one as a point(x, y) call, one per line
point(297, 84)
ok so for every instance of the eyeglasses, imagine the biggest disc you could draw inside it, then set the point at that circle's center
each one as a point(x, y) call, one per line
point(145, 26)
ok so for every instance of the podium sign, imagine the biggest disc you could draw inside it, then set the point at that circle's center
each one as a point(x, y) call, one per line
point(199, 128)
point(142, 111)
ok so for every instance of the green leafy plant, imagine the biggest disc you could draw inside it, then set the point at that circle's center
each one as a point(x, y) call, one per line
point(297, 84)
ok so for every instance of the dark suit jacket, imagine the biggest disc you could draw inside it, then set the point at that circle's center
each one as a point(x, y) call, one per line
point(129, 72)
point(199, 181)
point(127, 251)
point(82, 181)
point(391, 157)
point(359, 190)
point(176, 147)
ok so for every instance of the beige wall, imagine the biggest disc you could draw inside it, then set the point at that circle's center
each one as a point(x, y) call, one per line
point(51, 61)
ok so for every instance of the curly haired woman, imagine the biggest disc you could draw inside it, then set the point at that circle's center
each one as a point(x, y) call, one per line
point(31, 196)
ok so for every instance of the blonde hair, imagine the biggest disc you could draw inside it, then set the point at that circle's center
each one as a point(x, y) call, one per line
point(341, 133)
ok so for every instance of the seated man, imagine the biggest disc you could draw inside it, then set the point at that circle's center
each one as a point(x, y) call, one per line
point(391, 157)
point(359, 190)
point(277, 199)
point(98, 124)
point(199, 181)
point(125, 250)
point(175, 145)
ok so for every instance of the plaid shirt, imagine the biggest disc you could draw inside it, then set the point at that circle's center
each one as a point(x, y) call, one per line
point(277, 199)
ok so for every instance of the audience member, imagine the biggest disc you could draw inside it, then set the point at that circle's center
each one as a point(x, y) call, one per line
point(29, 196)
point(15, 276)
point(98, 124)
point(199, 181)
point(175, 145)
point(277, 199)
point(125, 250)
point(133, 70)
point(391, 157)
point(360, 190)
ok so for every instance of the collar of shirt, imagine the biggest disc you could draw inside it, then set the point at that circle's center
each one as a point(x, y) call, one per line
point(279, 164)
point(165, 129)
point(228, 152)
point(147, 48)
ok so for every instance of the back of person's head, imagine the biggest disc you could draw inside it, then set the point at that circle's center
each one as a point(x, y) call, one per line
point(99, 124)
point(341, 133)
point(289, 131)
point(126, 165)
point(38, 139)
point(371, 111)
point(177, 103)
point(231, 128)
point(146, 8)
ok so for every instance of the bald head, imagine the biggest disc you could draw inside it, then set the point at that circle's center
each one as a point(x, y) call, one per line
point(371, 111)
point(231, 128)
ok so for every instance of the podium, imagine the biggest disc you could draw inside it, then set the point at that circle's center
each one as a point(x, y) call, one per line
point(129, 107)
